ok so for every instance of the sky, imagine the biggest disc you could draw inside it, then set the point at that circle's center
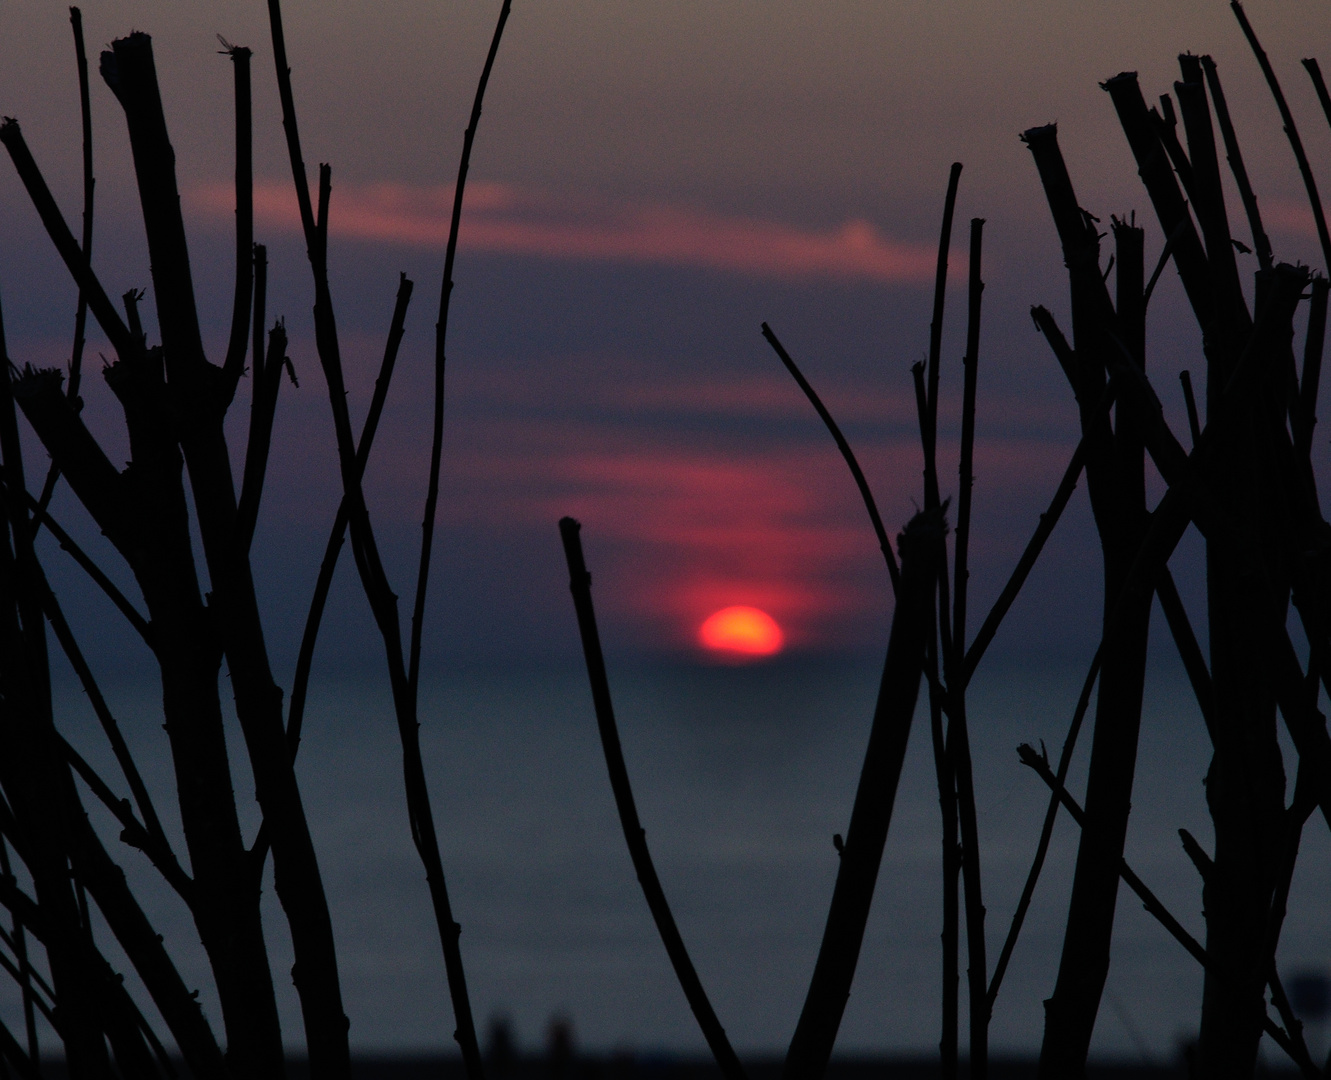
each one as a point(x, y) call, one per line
point(649, 184)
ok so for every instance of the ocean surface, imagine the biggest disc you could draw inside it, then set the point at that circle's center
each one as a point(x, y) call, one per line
point(742, 776)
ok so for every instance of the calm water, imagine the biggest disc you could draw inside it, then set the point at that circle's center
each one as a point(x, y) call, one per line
point(742, 776)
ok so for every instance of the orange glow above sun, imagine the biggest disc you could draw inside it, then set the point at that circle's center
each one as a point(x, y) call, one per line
point(747, 631)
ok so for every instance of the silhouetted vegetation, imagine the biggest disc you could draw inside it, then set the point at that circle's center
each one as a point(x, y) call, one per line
point(1245, 480)
point(1247, 484)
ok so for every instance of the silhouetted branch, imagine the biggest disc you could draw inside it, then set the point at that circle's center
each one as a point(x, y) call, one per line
point(129, 69)
point(958, 737)
point(965, 468)
point(161, 849)
point(1040, 765)
point(918, 373)
point(1163, 188)
point(301, 180)
point(1058, 344)
point(260, 259)
point(14, 1055)
point(1034, 546)
point(1149, 900)
point(135, 834)
point(81, 312)
point(1194, 663)
point(85, 115)
point(1260, 242)
point(105, 881)
point(234, 364)
point(947, 800)
point(1197, 855)
point(1190, 403)
point(66, 246)
point(1166, 127)
point(1115, 480)
point(1162, 262)
point(130, 299)
point(1296, 816)
point(22, 973)
point(1208, 197)
point(930, 433)
point(1046, 830)
point(829, 988)
point(1312, 366)
point(580, 583)
point(1319, 84)
point(884, 544)
point(85, 561)
point(382, 599)
point(1291, 131)
point(440, 361)
point(305, 659)
point(264, 407)
point(26, 977)
point(190, 391)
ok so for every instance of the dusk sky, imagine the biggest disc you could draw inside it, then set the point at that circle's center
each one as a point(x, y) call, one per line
point(650, 182)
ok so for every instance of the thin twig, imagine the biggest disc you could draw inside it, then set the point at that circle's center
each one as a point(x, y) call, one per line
point(958, 737)
point(288, 101)
point(1149, 900)
point(947, 801)
point(161, 852)
point(1163, 261)
point(1319, 84)
point(1260, 241)
point(135, 833)
point(580, 583)
point(1166, 127)
point(1312, 366)
point(884, 544)
point(1296, 143)
point(382, 599)
point(45, 1002)
point(98, 575)
point(966, 467)
point(931, 495)
point(1033, 548)
point(440, 360)
point(99, 303)
point(1190, 402)
point(871, 815)
point(234, 364)
point(81, 312)
point(1194, 662)
point(305, 658)
point(260, 259)
point(12, 1052)
point(27, 974)
point(1046, 830)
point(262, 410)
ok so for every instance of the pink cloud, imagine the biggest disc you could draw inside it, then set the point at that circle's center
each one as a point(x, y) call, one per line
point(619, 384)
point(1290, 217)
point(679, 528)
point(509, 220)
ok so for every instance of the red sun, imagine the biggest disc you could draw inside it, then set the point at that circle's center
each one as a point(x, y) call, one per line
point(746, 631)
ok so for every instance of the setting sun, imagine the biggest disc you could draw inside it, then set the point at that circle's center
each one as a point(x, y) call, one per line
point(745, 630)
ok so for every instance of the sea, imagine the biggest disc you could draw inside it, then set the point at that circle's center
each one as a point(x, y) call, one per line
point(742, 775)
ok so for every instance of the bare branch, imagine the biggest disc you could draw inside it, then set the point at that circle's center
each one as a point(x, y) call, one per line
point(884, 544)
point(580, 583)
point(234, 364)
point(1291, 131)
